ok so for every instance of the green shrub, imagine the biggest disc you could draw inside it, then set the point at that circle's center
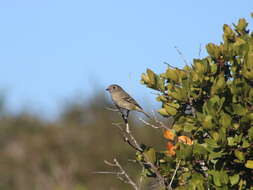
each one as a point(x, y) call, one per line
point(211, 102)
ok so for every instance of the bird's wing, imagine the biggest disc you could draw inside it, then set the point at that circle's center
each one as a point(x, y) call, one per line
point(131, 100)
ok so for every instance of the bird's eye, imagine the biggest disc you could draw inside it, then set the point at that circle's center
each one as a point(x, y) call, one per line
point(114, 87)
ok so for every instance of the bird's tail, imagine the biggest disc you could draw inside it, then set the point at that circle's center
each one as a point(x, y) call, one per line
point(147, 115)
point(141, 110)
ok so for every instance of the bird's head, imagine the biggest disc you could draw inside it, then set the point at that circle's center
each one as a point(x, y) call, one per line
point(114, 88)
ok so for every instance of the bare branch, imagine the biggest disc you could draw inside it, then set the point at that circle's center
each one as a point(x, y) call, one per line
point(129, 180)
point(169, 65)
point(105, 172)
point(129, 138)
point(200, 48)
point(112, 109)
point(174, 174)
point(192, 107)
point(121, 174)
point(149, 124)
point(109, 163)
point(161, 179)
point(181, 54)
point(158, 125)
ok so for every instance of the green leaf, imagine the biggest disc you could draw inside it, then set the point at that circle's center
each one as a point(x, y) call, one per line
point(245, 144)
point(163, 112)
point(231, 141)
point(216, 177)
point(213, 105)
point(151, 76)
point(224, 177)
point(213, 68)
point(247, 69)
point(212, 143)
point(208, 122)
point(239, 109)
point(225, 120)
point(215, 155)
point(150, 155)
point(242, 24)
point(200, 66)
point(239, 155)
point(250, 132)
point(184, 152)
point(171, 108)
point(179, 94)
point(197, 182)
point(219, 85)
point(172, 74)
point(216, 136)
point(249, 164)
point(234, 179)
point(220, 178)
point(213, 50)
point(199, 149)
point(228, 33)
point(160, 83)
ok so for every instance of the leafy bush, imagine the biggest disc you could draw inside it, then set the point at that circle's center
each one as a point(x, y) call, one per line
point(63, 154)
point(211, 101)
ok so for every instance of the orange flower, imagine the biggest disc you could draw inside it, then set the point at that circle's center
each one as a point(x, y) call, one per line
point(171, 149)
point(185, 140)
point(168, 134)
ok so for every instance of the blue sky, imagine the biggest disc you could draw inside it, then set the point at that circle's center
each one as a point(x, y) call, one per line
point(51, 50)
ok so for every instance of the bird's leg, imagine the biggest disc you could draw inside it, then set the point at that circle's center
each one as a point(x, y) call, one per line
point(125, 118)
point(127, 126)
point(127, 113)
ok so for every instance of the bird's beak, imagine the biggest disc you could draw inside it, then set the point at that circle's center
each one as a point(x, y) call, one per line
point(107, 89)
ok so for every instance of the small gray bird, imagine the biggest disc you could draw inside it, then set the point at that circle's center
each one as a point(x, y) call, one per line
point(123, 101)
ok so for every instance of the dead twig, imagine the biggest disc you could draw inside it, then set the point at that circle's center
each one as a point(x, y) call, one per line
point(181, 55)
point(161, 179)
point(169, 65)
point(200, 49)
point(129, 138)
point(193, 110)
point(174, 174)
point(112, 109)
point(158, 124)
point(121, 174)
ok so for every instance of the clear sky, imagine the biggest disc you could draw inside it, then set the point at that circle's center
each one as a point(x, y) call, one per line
point(51, 50)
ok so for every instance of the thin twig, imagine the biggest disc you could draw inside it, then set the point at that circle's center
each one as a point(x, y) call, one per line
point(129, 138)
point(158, 125)
point(192, 107)
point(181, 54)
point(105, 172)
point(169, 65)
point(174, 174)
point(129, 180)
point(121, 174)
point(109, 163)
point(112, 109)
point(200, 48)
point(161, 179)
point(149, 124)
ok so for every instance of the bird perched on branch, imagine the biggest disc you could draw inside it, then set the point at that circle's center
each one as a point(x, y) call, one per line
point(123, 101)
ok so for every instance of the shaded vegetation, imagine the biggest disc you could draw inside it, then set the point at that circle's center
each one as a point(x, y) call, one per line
point(61, 155)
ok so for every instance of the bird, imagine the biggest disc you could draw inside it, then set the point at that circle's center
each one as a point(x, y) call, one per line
point(123, 101)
